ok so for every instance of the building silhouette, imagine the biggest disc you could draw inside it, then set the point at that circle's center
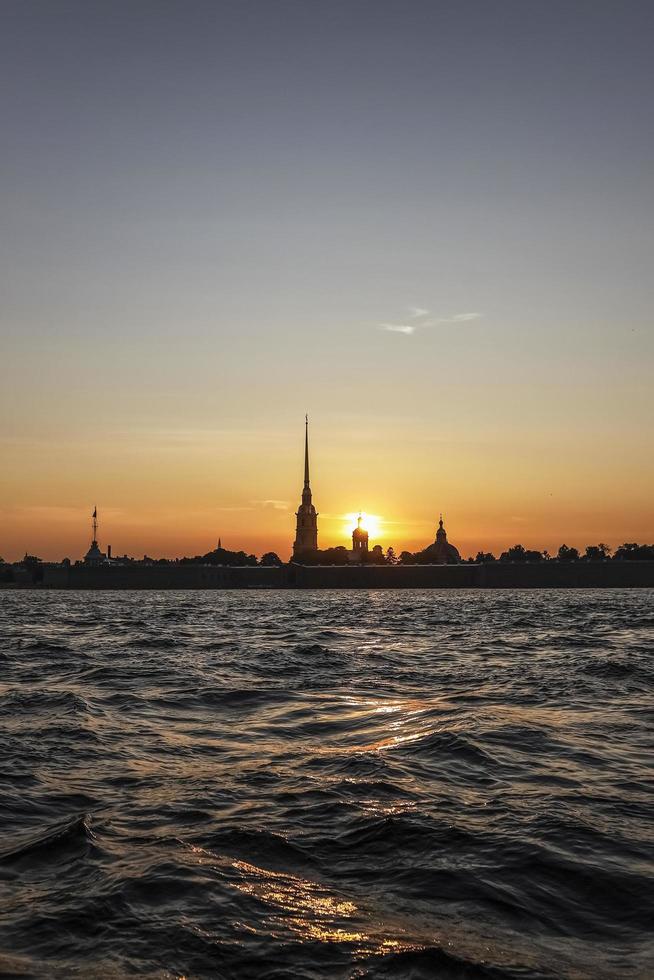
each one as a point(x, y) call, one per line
point(94, 556)
point(306, 529)
point(359, 542)
point(441, 552)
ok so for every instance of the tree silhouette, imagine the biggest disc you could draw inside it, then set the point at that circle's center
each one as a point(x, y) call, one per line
point(330, 556)
point(220, 556)
point(516, 553)
point(270, 559)
point(519, 553)
point(376, 556)
point(597, 552)
point(634, 552)
point(484, 556)
point(567, 554)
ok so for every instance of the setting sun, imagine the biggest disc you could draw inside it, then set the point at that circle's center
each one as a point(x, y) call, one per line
point(372, 523)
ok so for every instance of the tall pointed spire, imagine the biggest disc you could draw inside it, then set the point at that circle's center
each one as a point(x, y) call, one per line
point(306, 531)
point(306, 451)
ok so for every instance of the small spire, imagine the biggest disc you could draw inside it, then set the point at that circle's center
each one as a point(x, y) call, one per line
point(220, 544)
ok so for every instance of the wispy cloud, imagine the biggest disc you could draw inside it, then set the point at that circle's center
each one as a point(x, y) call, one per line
point(420, 315)
point(406, 328)
point(272, 504)
point(463, 318)
point(455, 318)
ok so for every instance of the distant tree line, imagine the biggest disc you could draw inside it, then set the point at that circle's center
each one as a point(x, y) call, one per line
point(518, 553)
point(424, 557)
point(221, 556)
point(341, 556)
point(593, 552)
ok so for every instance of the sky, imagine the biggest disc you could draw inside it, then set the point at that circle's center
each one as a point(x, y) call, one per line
point(427, 224)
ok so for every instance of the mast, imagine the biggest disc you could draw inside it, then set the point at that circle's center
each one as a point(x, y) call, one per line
point(95, 524)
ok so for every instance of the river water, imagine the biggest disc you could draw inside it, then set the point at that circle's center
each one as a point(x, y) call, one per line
point(327, 784)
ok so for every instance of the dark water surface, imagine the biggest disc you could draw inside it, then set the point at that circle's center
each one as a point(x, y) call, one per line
point(331, 784)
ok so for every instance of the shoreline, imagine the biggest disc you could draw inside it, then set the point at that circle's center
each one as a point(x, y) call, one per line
point(492, 575)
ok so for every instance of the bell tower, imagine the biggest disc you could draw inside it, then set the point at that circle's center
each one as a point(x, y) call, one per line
point(306, 530)
point(359, 541)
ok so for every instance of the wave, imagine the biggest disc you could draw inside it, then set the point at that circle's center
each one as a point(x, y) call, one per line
point(47, 842)
point(312, 650)
point(44, 646)
point(64, 702)
point(433, 962)
point(255, 846)
point(617, 670)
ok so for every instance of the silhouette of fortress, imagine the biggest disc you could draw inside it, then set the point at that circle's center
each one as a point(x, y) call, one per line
point(438, 566)
point(305, 545)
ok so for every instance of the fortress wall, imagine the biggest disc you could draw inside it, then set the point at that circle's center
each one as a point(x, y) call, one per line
point(496, 575)
point(383, 576)
point(566, 575)
point(172, 577)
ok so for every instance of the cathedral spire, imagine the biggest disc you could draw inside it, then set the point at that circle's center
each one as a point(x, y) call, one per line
point(306, 531)
point(306, 451)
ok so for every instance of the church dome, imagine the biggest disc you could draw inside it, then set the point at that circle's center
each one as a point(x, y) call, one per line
point(441, 552)
point(359, 533)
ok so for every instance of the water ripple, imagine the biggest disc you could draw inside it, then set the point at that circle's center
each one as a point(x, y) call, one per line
point(338, 785)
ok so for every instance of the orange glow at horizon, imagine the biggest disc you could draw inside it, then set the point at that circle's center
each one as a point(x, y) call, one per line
point(174, 492)
point(372, 523)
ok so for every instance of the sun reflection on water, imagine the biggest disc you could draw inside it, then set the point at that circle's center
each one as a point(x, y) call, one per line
point(307, 908)
point(310, 910)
